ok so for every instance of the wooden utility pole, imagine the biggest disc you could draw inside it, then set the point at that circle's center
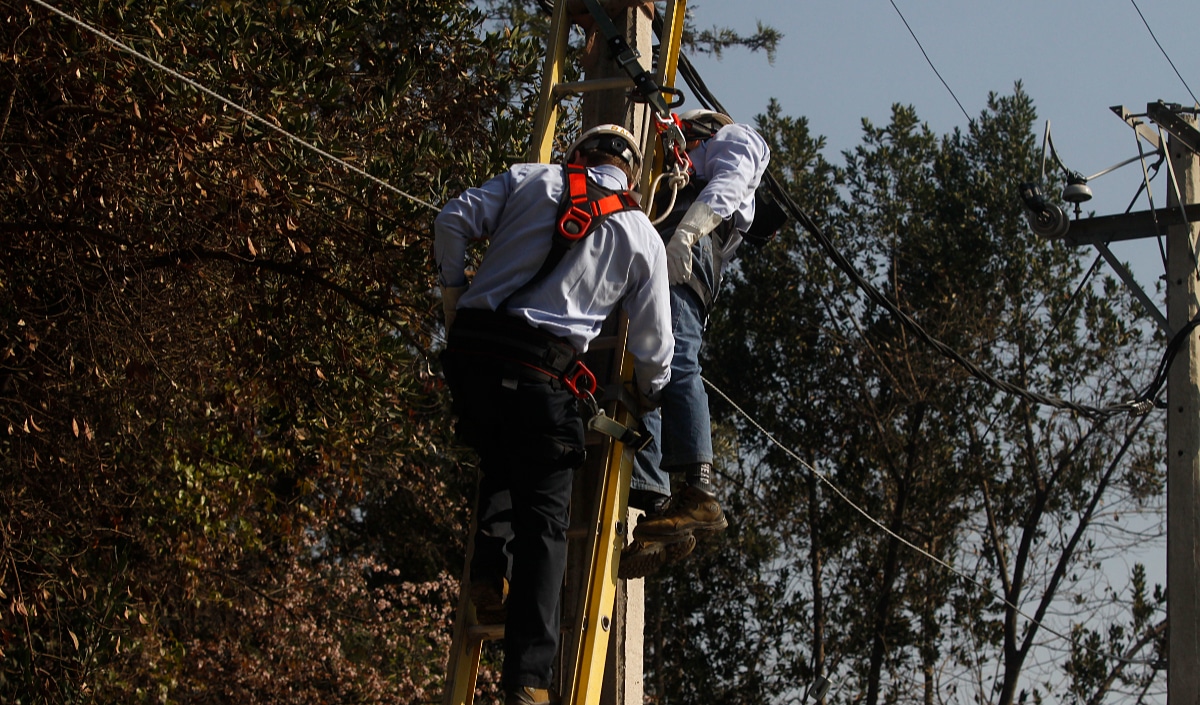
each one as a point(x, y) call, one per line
point(1183, 429)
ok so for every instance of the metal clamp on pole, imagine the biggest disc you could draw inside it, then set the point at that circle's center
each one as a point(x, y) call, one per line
point(627, 58)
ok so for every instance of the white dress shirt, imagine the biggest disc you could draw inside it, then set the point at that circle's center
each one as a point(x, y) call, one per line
point(622, 262)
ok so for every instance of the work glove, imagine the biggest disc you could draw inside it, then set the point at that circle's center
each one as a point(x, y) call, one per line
point(450, 297)
point(644, 403)
point(696, 223)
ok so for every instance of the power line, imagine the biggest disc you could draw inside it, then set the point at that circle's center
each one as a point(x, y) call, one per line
point(930, 61)
point(1164, 51)
point(245, 111)
point(824, 479)
point(1140, 405)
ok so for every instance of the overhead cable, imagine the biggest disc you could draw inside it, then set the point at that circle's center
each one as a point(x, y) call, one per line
point(824, 479)
point(1142, 404)
point(248, 113)
point(930, 61)
point(1164, 52)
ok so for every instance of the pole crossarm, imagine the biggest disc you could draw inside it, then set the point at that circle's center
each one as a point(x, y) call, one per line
point(1167, 116)
point(1128, 226)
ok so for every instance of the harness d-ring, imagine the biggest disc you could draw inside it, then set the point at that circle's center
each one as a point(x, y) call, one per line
point(578, 374)
point(574, 223)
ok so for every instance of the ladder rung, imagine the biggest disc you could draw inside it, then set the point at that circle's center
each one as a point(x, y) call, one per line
point(595, 84)
point(492, 632)
point(485, 632)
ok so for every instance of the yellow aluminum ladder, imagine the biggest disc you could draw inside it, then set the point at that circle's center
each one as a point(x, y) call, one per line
point(601, 487)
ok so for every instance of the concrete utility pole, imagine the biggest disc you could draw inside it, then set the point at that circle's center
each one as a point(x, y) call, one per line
point(1183, 429)
point(1183, 380)
point(623, 677)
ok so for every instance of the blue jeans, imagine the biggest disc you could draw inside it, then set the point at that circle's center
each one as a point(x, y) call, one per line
point(682, 432)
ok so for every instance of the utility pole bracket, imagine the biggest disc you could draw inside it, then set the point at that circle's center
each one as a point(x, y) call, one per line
point(1167, 116)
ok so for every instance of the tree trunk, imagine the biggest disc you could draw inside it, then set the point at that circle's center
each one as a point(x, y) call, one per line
point(817, 566)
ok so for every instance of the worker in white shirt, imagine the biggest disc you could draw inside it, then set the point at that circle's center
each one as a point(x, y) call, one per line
point(566, 246)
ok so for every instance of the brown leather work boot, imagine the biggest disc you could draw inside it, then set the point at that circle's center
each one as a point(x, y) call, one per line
point(692, 511)
point(640, 558)
point(525, 695)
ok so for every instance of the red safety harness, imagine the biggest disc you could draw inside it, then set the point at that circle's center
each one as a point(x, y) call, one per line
point(585, 204)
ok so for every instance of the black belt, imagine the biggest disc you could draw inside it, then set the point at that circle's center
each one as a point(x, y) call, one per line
point(503, 337)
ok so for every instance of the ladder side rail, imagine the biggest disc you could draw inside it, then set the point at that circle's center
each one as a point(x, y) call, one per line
point(545, 120)
point(608, 484)
point(462, 670)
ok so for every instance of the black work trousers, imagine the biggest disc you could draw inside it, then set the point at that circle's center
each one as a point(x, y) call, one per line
point(529, 436)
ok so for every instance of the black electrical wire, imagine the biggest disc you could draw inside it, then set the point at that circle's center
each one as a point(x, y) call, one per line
point(1164, 51)
point(1141, 405)
point(930, 61)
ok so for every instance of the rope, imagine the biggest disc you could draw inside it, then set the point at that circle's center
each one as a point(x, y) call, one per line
point(676, 180)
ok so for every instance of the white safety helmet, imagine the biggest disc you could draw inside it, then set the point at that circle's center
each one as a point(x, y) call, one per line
point(701, 124)
point(610, 139)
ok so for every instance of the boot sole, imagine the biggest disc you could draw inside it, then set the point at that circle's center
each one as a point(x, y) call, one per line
point(644, 558)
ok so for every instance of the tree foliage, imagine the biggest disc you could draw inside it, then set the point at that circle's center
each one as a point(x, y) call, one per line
point(908, 509)
point(225, 472)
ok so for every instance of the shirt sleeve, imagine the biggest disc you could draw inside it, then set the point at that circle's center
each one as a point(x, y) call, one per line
point(471, 216)
point(649, 310)
point(735, 160)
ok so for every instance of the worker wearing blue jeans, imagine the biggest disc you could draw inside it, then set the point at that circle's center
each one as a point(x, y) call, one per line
point(701, 233)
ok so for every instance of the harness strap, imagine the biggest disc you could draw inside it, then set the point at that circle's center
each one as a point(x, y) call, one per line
point(584, 205)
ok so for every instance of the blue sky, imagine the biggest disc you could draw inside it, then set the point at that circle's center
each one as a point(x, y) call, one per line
point(843, 60)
